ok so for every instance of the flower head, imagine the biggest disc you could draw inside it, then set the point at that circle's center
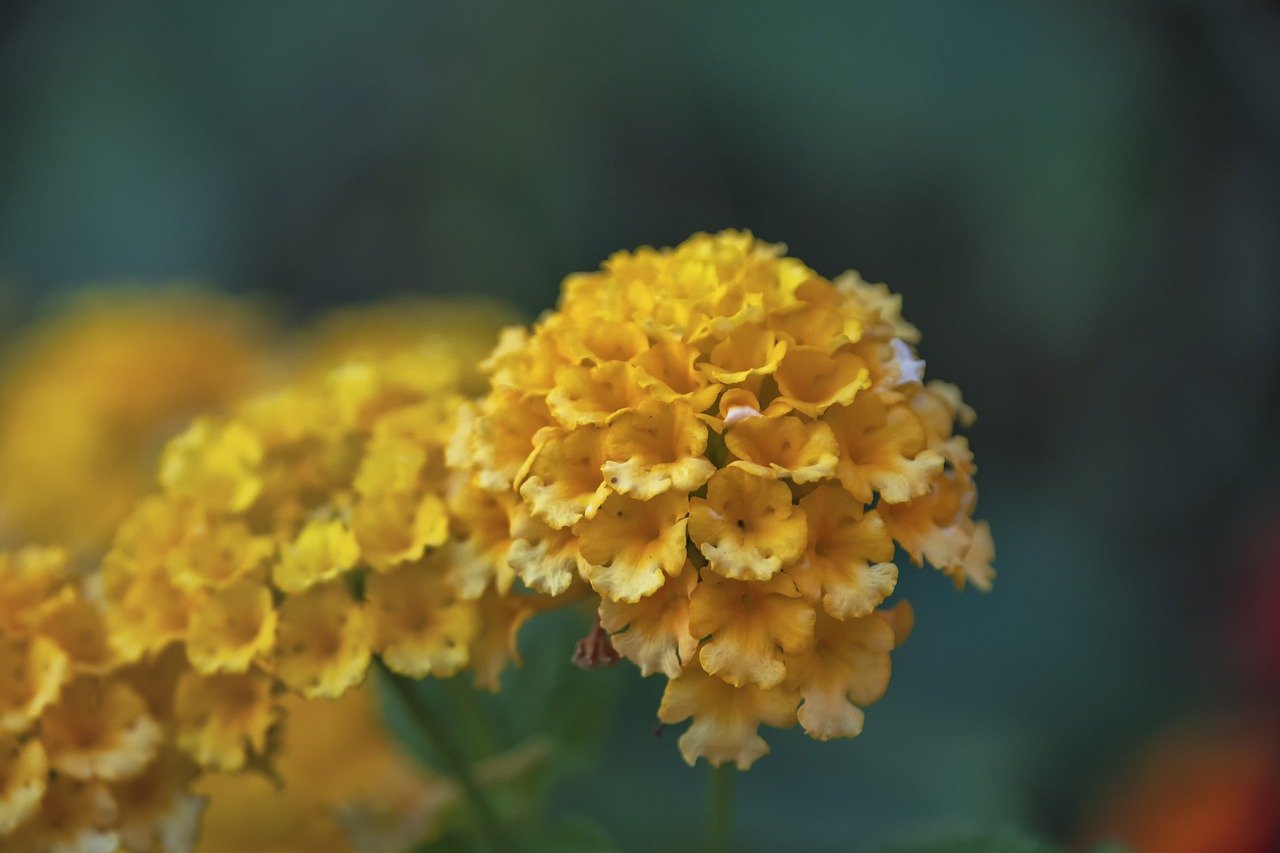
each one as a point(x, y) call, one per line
point(727, 447)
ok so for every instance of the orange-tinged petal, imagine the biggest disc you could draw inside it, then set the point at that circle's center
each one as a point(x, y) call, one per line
point(975, 566)
point(565, 483)
point(784, 447)
point(845, 567)
point(654, 632)
point(631, 546)
point(748, 350)
point(545, 560)
point(810, 379)
point(846, 669)
point(504, 437)
point(667, 370)
point(882, 450)
point(747, 527)
point(657, 447)
point(494, 645)
point(937, 527)
point(726, 719)
point(750, 625)
point(398, 527)
point(607, 341)
point(594, 395)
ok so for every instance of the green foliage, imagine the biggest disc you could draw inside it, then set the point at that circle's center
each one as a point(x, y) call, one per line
point(543, 725)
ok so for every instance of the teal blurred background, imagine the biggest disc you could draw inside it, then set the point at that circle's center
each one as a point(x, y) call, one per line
point(1080, 202)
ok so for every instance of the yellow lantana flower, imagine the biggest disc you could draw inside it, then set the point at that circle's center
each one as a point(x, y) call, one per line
point(728, 447)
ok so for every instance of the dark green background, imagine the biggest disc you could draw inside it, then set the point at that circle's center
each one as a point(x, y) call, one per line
point(1080, 202)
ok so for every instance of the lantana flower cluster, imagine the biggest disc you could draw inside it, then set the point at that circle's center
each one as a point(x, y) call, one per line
point(89, 395)
point(727, 449)
point(85, 763)
point(301, 536)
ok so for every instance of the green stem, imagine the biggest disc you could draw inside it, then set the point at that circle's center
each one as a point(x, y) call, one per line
point(720, 830)
point(434, 729)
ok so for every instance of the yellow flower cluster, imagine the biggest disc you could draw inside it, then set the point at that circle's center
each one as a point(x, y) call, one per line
point(294, 540)
point(85, 763)
point(88, 396)
point(180, 352)
point(726, 446)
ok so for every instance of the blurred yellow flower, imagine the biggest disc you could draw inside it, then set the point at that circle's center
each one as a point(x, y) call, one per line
point(88, 395)
point(81, 742)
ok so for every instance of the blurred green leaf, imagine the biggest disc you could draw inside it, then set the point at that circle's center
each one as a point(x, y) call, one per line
point(572, 834)
point(986, 841)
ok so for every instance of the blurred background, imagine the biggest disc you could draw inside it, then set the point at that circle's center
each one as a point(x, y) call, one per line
point(1079, 201)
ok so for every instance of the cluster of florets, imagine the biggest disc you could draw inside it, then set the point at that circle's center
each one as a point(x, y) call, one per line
point(88, 395)
point(297, 539)
point(726, 446)
point(85, 763)
point(126, 686)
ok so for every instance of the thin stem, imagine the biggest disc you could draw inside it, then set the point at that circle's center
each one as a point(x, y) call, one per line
point(720, 829)
point(433, 728)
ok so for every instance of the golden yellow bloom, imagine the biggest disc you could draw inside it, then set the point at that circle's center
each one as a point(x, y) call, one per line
point(223, 720)
point(99, 730)
point(882, 450)
point(81, 738)
point(421, 626)
point(658, 447)
point(846, 669)
point(846, 567)
point(726, 719)
point(565, 484)
point(215, 464)
point(324, 549)
point(230, 628)
point(783, 447)
point(655, 632)
point(630, 547)
point(89, 394)
point(301, 533)
point(34, 670)
point(749, 626)
point(747, 527)
point(24, 774)
point(322, 641)
point(726, 446)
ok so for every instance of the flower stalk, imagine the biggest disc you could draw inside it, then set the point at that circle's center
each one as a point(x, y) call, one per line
point(720, 825)
point(456, 763)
